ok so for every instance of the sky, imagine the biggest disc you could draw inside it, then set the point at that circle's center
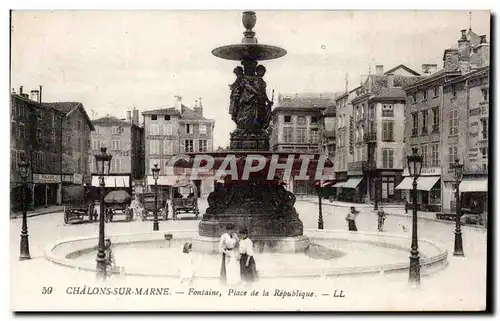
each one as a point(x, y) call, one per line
point(112, 61)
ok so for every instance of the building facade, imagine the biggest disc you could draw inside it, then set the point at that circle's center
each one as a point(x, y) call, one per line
point(123, 139)
point(439, 120)
point(296, 122)
point(36, 133)
point(177, 130)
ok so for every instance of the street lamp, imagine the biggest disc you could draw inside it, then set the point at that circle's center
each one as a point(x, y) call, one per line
point(103, 162)
point(375, 183)
point(458, 173)
point(414, 168)
point(320, 217)
point(156, 175)
point(24, 246)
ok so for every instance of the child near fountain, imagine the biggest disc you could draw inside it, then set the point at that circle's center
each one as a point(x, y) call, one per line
point(187, 267)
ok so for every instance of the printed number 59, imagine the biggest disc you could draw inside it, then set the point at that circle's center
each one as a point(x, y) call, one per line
point(47, 290)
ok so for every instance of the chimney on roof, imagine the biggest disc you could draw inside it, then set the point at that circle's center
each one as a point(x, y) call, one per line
point(35, 95)
point(390, 80)
point(178, 103)
point(483, 50)
point(135, 116)
point(21, 90)
point(379, 70)
point(13, 90)
point(198, 108)
point(428, 69)
point(129, 116)
point(40, 95)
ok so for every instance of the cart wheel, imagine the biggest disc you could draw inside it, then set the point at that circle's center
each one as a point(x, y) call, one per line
point(66, 216)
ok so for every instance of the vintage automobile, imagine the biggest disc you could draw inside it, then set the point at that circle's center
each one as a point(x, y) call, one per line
point(148, 203)
point(116, 203)
point(184, 203)
point(78, 204)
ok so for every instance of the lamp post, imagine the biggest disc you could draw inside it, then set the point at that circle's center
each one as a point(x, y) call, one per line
point(458, 173)
point(414, 168)
point(156, 175)
point(320, 216)
point(24, 245)
point(103, 162)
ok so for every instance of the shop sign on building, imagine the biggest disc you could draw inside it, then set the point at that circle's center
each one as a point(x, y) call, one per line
point(426, 171)
point(46, 179)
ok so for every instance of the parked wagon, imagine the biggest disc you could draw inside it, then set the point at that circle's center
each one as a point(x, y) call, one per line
point(116, 203)
point(148, 203)
point(184, 203)
point(78, 204)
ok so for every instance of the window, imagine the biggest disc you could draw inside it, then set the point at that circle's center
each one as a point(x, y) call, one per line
point(79, 125)
point(188, 146)
point(21, 131)
point(414, 98)
point(436, 92)
point(154, 117)
point(454, 90)
point(167, 130)
point(288, 134)
point(154, 129)
point(114, 130)
point(425, 155)
point(424, 94)
point(301, 136)
point(301, 120)
point(484, 152)
point(115, 145)
point(388, 130)
point(188, 129)
point(387, 111)
point(202, 145)
point(167, 117)
point(314, 119)
point(154, 147)
point(435, 155)
point(484, 132)
point(203, 129)
point(452, 155)
point(387, 158)
point(95, 145)
point(435, 121)
point(288, 119)
point(314, 136)
point(484, 91)
point(424, 121)
point(453, 122)
point(414, 130)
point(13, 129)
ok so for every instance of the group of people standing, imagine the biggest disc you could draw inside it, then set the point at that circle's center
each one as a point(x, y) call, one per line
point(238, 263)
point(353, 213)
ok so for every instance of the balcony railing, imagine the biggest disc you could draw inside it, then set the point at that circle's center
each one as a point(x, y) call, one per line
point(414, 131)
point(370, 137)
point(435, 129)
point(361, 166)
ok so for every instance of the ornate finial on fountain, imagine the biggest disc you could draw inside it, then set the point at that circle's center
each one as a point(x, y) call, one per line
point(249, 19)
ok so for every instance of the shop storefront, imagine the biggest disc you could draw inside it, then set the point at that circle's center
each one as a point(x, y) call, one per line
point(474, 192)
point(353, 190)
point(45, 190)
point(428, 189)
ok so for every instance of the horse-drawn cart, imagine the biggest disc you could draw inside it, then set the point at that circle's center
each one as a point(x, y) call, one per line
point(78, 204)
point(186, 204)
point(148, 203)
point(118, 202)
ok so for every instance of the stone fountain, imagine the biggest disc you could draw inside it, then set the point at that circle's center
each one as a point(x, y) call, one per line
point(260, 203)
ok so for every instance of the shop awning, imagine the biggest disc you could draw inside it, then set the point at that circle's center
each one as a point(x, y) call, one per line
point(339, 184)
point(323, 183)
point(164, 180)
point(112, 181)
point(424, 183)
point(474, 184)
point(352, 182)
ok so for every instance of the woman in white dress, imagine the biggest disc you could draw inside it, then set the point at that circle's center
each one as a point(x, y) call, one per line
point(248, 269)
point(187, 268)
point(228, 247)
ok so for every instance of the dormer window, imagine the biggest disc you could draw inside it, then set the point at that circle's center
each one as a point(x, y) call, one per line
point(167, 117)
point(154, 117)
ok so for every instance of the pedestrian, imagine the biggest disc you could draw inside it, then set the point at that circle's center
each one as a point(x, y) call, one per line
point(108, 255)
point(187, 267)
point(406, 206)
point(229, 248)
point(248, 269)
point(381, 219)
point(351, 219)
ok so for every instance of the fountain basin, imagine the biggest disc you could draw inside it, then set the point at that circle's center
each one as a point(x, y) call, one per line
point(330, 253)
